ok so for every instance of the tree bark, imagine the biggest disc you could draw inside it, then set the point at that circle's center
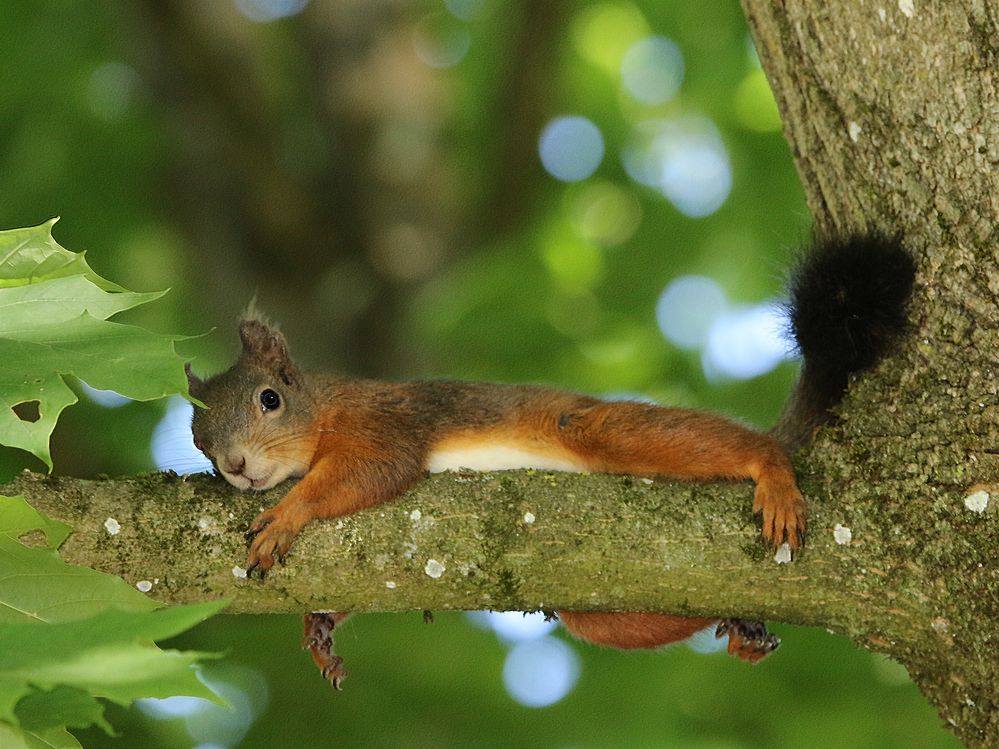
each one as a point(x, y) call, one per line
point(510, 540)
point(529, 540)
point(892, 113)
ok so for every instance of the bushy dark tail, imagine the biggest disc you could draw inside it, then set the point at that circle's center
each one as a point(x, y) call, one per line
point(847, 307)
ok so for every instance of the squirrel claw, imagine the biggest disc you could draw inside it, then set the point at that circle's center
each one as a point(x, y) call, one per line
point(334, 673)
point(270, 541)
point(259, 524)
point(749, 641)
point(255, 567)
point(318, 640)
point(782, 510)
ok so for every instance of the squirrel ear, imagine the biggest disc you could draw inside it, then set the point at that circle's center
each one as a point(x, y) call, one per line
point(267, 347)
point(195, 384)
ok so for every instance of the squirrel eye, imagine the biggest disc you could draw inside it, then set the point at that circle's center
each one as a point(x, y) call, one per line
point(269, 400)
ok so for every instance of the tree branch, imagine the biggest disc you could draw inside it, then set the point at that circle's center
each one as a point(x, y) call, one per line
point(510, 540)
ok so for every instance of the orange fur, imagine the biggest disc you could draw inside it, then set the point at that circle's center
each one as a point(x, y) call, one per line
point(367, 442)
point(632, 631)
point(366, 456)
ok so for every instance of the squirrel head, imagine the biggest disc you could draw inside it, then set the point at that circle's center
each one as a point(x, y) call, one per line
point(257, 427)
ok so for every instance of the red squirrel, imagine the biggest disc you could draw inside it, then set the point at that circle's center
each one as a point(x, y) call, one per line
point(355, 443)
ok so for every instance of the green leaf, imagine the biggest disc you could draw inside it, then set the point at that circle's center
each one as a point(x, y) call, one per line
point(37, 586)
point(70, 635)
point(17, 517)
point(109, 655)
point(12, 737)
point(60, 300)
point(54, 324)
point(62, 707)
point(32, 255)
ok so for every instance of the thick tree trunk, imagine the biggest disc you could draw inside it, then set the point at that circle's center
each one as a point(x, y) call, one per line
point(892, 113)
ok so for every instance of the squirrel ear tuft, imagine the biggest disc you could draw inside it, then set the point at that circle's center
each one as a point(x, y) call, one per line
point(195, 385)
point(267, 348)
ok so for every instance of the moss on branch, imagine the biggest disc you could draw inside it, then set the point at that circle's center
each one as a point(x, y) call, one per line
point(511, 540)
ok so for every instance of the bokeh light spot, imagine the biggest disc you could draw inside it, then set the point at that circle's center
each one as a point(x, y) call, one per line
point(611, 350)
point(607, 214)
point(573, 312)
point(602, 33)
point(405, 252)
point(571, 148)
point(685, 159)
point(111, 89)
point(168, 708)
point(697, 179)
point(889, 672)
point(440, 41)
point(747, 342)
point(705, 642)
point(466, 10)
point(687, 309)
point(652, 69)
point(172, 443)
point(513, 626)
point(752, 54)
point(754, 103)
point(572, 263)
point(106, 398)
point(209, 724)
point(540, 672)
point(265, 11)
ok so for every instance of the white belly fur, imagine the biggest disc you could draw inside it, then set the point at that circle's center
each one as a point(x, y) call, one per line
point(498, 457)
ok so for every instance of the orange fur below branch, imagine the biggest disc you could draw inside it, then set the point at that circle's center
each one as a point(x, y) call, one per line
point(632, 631)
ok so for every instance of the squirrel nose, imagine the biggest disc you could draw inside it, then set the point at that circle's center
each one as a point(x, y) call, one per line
point(236, 465)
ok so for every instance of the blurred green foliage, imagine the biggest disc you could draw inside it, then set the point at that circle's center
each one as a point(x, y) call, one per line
point(396, 218)
point(72, 634)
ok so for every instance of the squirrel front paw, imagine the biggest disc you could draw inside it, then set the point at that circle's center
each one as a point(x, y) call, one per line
point(783, 510)
point(271, 535)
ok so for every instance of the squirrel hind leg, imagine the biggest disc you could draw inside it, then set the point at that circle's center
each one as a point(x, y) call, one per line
point(318, 640)
point(631, 631)
point(748, 641)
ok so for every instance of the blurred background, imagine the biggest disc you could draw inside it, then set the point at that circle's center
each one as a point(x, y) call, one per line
point(594, 195)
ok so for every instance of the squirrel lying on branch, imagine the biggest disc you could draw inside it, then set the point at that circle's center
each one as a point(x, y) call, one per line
point(356, 443)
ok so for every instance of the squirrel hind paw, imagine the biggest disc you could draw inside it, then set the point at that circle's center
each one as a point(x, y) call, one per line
point(318, 640)
point(747, 640)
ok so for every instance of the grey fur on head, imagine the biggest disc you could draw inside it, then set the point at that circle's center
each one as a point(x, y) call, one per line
point(264, 346)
